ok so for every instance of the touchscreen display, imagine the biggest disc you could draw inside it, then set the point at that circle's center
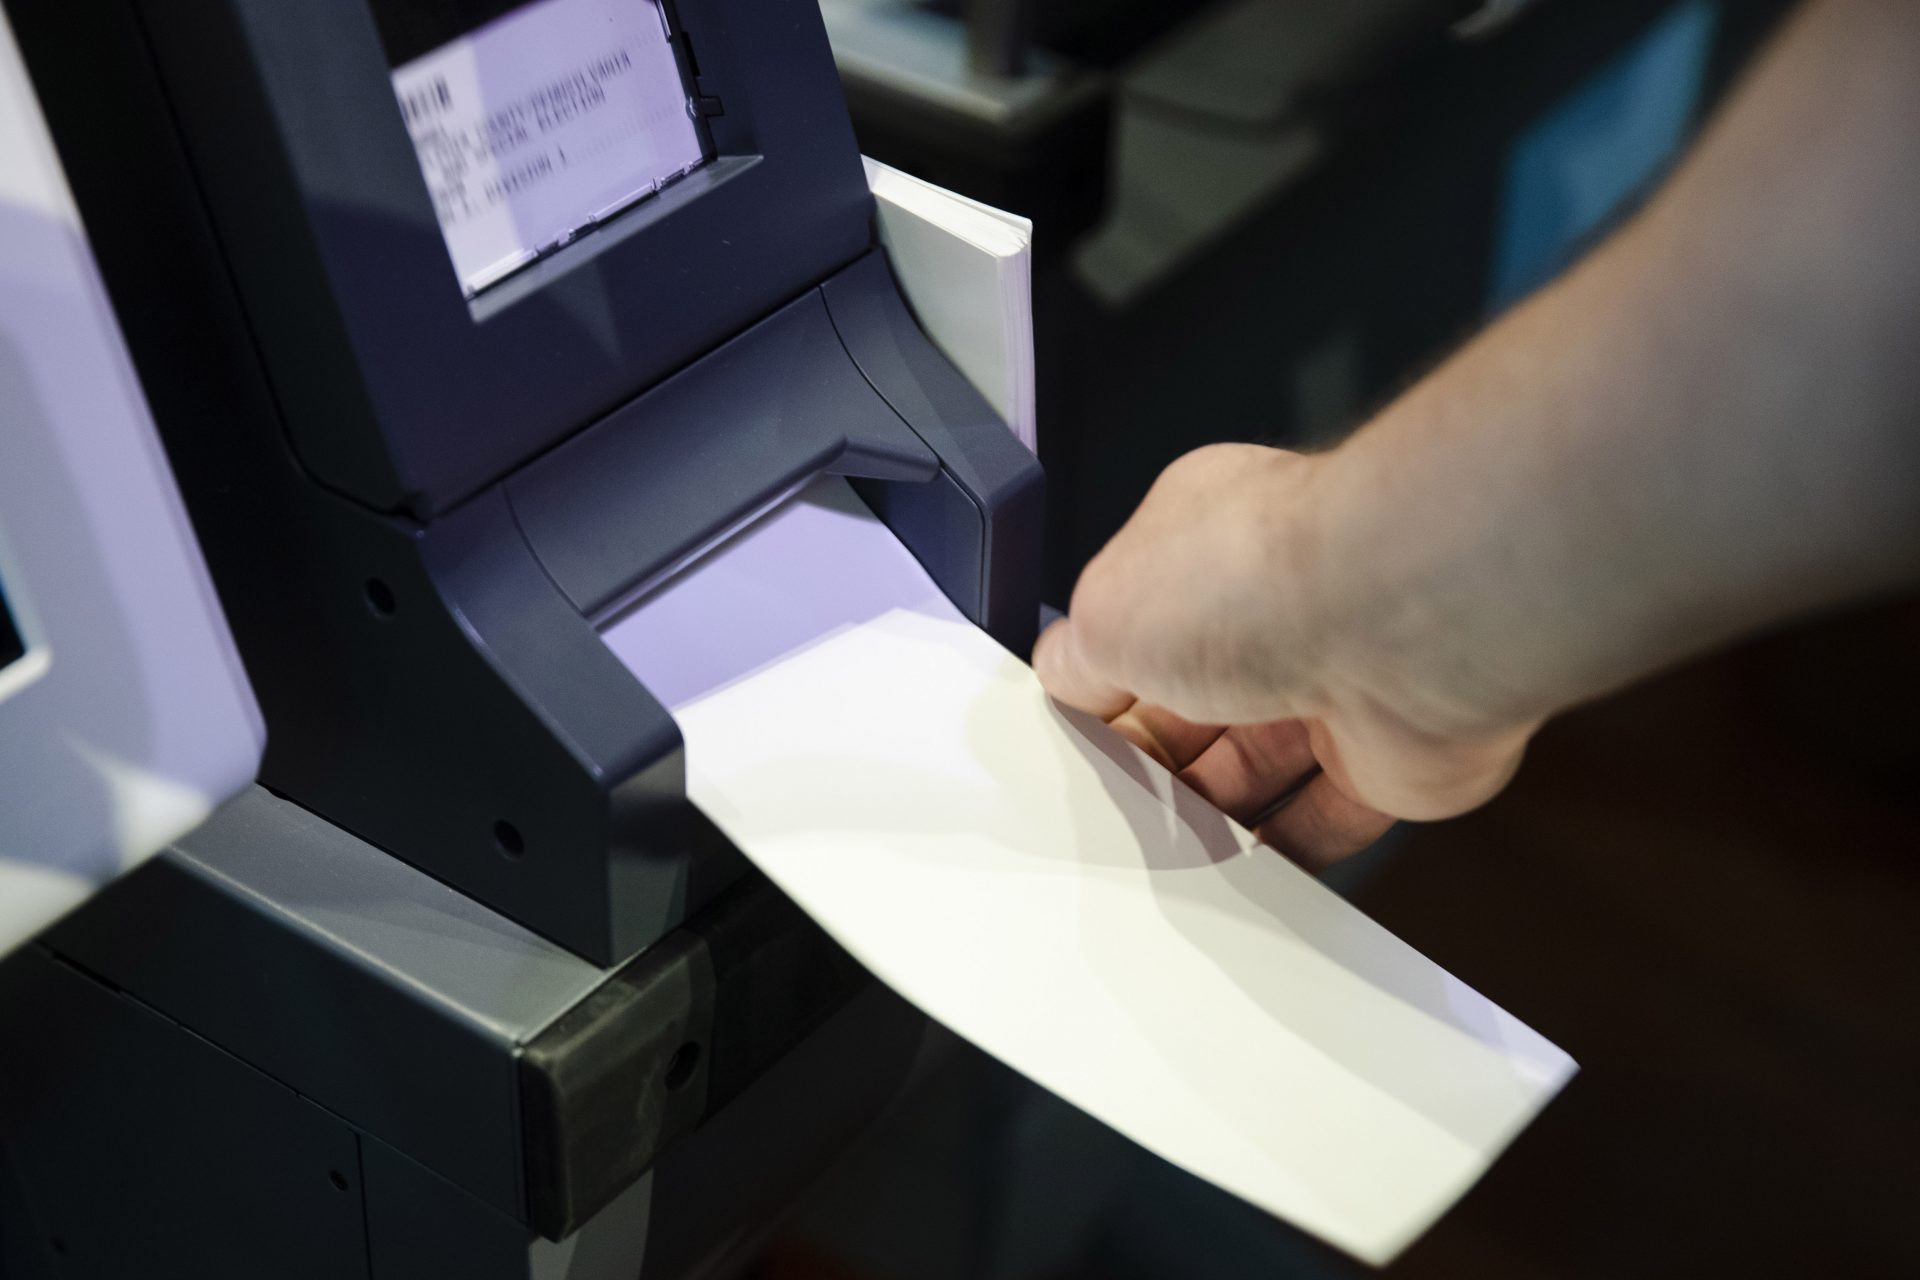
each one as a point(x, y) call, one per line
point(538, 123)
point(12, 647)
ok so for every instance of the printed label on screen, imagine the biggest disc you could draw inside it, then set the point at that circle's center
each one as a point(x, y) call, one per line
point(542, 124)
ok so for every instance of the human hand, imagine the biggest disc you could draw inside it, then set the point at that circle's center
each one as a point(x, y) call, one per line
point(1214, 632)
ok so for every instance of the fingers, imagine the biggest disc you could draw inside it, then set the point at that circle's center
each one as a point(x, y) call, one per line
point(1065, 673)
point(1244, 770)
point(1322, 825)
point(1173, 741)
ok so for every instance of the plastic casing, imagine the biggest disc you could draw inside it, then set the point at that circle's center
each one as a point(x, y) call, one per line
point(128, 719)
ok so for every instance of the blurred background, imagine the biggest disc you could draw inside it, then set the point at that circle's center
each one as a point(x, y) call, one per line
point(1258, 220)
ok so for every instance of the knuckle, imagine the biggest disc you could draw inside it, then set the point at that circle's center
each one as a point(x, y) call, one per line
point(1199, 465)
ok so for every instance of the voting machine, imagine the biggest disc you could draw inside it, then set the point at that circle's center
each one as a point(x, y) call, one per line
point(467, 324)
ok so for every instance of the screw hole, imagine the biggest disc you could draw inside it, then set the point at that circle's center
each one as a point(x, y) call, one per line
point(508, 837)
point(338, 1179)
point(380, 598)
point(680, 1066)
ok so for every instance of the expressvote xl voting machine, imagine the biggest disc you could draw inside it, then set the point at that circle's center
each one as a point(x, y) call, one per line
point(465, 324)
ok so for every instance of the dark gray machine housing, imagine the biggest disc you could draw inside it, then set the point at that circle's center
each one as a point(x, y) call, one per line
point(417, 506)
point(274, 1051)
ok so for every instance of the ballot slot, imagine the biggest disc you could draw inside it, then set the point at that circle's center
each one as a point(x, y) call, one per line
point(642, 490)
point(535, 123)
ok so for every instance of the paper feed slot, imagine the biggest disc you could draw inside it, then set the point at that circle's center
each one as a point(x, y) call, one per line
point(839, 382)
point(657, 479)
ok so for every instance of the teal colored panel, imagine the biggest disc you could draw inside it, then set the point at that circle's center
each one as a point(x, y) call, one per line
point(1598, 148)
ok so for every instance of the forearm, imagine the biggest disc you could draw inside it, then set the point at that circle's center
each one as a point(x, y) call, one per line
point(1711, 424)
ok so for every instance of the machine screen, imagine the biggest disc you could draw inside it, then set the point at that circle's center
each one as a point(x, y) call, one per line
point(12, 647)
point(537, 122)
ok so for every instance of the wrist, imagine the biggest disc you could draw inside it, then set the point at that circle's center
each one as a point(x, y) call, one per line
point(1404, 629)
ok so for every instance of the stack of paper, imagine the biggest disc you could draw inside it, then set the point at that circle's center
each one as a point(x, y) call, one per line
point(1056, 897)
point(966, 268)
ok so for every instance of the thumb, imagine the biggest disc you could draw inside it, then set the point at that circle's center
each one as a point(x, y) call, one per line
point(1064, 672)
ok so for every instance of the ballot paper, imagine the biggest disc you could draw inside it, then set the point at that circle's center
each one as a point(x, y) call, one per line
point(1053, 895)
point(966, 269)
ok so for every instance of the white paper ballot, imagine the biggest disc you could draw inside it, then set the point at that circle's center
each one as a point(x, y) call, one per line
point(1054, 896)
point(966, 269)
